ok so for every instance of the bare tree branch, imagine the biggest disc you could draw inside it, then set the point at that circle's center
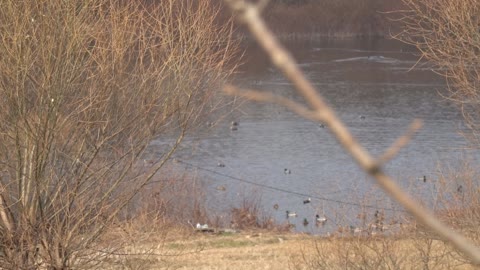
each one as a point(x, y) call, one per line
point(249, 14)
point(270, 97)
point(84, 89)
point(401, 142)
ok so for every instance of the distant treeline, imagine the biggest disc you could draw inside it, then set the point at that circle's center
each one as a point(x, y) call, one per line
point(312, 18)
point(335, 18)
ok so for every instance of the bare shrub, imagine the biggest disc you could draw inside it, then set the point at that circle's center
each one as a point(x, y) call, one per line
point(457, 202)
point(458, 198)
point(446, 33)
point(393, 252)
point(85, 86)
point(169, 202)
point(250, 215)
point(141, 237)
point(402, 243)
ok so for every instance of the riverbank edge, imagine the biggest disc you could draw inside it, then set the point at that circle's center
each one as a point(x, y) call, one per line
point(316, 36)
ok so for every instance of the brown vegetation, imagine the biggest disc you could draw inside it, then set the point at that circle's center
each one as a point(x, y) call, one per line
point(249, 215)
point(395, 252)
point(457, 198)
point(85, 86)
point(401, 245)
point(407, 245)
point(446, 33)
point(157, 234)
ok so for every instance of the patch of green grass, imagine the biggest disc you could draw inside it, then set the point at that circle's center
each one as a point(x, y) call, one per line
point(175, 246)
point(227, 233)
point(230, 243)
point(271, 241)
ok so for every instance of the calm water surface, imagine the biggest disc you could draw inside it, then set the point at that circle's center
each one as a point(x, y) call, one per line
point(376, 89)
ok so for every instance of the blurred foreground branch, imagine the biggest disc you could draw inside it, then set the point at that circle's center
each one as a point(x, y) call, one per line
point(250, 15)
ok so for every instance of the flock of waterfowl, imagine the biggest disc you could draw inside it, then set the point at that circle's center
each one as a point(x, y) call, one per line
point(321, 220)
point(377, 225)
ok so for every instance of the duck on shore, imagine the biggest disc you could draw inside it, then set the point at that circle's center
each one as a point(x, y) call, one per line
point(291, 214)
point(320, 220)
point(424, 178)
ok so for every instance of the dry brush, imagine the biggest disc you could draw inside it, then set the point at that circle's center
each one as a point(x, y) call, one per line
point(84, 87)
point(447, 34)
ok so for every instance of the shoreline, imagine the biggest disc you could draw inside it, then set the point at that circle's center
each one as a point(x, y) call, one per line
point(316, 36)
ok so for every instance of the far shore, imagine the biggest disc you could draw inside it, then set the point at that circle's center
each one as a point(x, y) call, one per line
point(302, 36)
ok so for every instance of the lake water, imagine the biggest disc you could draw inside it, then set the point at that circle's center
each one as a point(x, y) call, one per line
point(375, 88)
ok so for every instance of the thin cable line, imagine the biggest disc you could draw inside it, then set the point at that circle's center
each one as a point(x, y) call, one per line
point(299, 194)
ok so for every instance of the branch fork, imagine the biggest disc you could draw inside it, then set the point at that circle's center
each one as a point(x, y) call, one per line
point(249, 14)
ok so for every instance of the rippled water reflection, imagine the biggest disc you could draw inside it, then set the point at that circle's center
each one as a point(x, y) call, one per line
point(376, 87)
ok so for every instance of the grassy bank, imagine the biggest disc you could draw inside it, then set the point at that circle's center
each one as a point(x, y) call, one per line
point(189, 250)
point(265, 250)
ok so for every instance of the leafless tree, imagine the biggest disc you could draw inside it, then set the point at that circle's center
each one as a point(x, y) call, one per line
point(84, 87)
point(447, 34)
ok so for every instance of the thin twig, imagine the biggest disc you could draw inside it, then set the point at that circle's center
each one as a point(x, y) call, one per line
point(249, 14)
point(272, 98)
point(400, 142)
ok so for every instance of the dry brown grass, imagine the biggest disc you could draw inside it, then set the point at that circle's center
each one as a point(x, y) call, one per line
point(405, 244)
point(244, 251)
point(155, 239)
point(186, 249)
point(384, 252)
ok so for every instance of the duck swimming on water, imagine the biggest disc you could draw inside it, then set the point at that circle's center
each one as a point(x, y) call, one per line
point(305, 222)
